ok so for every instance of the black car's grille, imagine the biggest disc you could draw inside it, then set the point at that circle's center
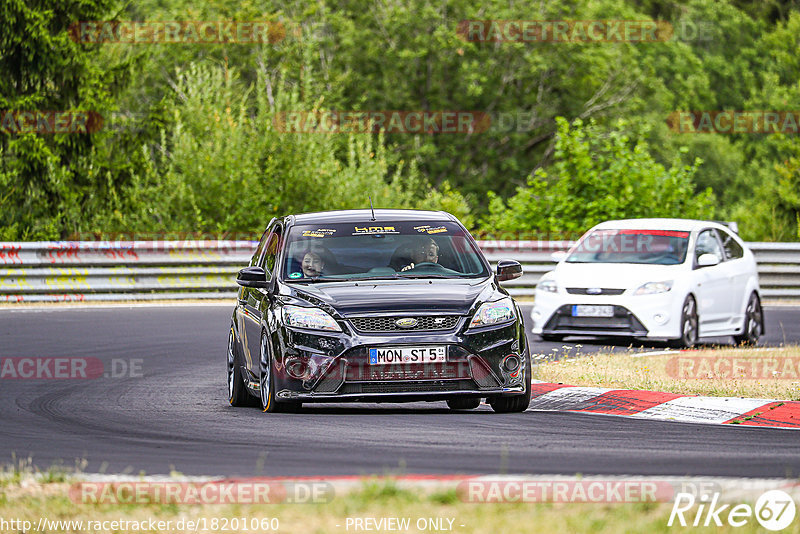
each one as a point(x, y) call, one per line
point(585, 291)
point(482, 375)
point(331, 381)
point(407, 387)
point(388, 324)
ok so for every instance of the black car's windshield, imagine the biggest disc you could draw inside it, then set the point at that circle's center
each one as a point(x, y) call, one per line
point(380, 250)
point(661, 247)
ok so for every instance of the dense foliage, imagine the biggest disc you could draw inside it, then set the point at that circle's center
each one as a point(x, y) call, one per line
point(578, 131)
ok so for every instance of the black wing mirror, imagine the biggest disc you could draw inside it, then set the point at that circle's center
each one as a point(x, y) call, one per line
point(508, 270)
point(252, 277)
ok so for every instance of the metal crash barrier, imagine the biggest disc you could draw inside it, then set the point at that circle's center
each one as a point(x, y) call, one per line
point(169, 270)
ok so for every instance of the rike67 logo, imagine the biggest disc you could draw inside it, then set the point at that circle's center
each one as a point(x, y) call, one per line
point(774, 510)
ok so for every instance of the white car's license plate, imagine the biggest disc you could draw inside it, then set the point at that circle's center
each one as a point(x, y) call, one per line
point(586, 310)
point(389, 355)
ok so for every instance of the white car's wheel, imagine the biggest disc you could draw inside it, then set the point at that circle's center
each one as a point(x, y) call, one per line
point(753, 322)
point(689, 325)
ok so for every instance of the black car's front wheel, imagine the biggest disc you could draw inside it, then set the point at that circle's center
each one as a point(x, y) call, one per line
point(516, 403)
point(237, 392)
point(267, 384)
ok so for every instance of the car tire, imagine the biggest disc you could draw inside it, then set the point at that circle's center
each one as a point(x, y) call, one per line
point(753, 322)
point(552, 337)
point(689, 325)
point(515, 403)
point(464, 403)
point(237, 391)
point(266, 381)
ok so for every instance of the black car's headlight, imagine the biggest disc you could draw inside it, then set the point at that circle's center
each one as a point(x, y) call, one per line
point(312, 318)
point(500, 311)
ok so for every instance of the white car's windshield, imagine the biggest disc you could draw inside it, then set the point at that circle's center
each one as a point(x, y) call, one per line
point(373, 250)
point(661, 247)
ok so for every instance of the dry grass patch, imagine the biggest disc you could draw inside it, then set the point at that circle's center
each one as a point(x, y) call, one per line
point(724, 372)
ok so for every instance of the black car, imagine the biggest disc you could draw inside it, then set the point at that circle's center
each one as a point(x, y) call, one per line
point(375, 306)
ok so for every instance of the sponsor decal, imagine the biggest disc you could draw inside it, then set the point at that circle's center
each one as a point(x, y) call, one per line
point(319, 232)
point(366, 230)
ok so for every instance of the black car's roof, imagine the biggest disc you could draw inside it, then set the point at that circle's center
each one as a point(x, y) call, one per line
point(365, 216)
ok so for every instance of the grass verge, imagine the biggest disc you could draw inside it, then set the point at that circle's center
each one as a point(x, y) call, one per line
point(725, 372)
point(29, 501)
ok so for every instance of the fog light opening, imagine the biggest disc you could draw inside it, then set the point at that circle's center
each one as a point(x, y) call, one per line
point(297, 367)
point(511, 363)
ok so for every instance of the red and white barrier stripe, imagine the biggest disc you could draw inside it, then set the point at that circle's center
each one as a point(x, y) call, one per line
point(666, 406)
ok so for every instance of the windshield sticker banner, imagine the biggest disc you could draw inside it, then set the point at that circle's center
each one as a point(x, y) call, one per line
point(427, 229)
point(319, 232)
point(367, 230)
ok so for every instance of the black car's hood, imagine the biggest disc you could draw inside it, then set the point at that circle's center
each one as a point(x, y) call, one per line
point(352, 299)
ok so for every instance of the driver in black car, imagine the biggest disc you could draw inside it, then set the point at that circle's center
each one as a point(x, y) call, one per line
point(428, 252)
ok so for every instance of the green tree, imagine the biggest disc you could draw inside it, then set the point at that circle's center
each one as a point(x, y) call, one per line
point(223, 165)
point(46, 194)
point(598, 174)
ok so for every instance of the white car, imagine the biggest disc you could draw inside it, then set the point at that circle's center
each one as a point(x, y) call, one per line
point(672, 279)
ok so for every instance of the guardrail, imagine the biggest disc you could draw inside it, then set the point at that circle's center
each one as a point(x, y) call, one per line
point(147, 270)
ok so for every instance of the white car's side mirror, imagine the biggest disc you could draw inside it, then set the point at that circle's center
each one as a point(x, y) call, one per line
point(707, 260)
point(558, 255)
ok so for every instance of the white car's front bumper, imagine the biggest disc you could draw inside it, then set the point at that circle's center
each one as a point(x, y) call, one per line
point(652, 316)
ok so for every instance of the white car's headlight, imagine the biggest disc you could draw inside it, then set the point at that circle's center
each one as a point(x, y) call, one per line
point(651, 288)
point(500, 311)
point(548, 285)
point(313, 318)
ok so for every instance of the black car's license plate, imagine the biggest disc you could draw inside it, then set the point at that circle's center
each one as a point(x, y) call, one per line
point(389, 355)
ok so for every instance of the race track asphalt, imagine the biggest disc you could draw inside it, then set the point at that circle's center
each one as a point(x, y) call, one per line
point(171, 413)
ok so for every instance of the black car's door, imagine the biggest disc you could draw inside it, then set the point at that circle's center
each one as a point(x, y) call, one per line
point(257, 301)
point(242, 319)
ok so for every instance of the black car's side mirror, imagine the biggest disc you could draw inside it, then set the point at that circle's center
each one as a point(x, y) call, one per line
point(252, 277)
point(508, 270)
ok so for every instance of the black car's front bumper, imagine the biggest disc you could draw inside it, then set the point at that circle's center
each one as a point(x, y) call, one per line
point(338, 367)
